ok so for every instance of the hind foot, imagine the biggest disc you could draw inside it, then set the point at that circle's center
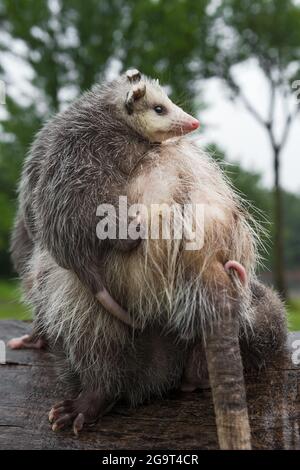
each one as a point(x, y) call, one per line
point(85, 409)
point(26, 342)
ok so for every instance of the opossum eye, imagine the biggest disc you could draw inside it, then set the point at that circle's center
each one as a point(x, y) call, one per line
point(159, 109)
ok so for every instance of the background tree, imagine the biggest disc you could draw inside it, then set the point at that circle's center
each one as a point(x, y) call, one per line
point(267, 31)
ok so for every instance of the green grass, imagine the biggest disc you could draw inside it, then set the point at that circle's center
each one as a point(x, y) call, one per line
point(293, 308)
point(12, 307)
point(10, 303)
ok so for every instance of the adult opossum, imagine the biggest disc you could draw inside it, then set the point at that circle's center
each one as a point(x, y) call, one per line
point(173, 295)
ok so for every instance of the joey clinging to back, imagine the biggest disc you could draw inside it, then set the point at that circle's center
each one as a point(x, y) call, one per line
point(82, 158)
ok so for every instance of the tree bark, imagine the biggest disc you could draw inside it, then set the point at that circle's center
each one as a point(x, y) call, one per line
point(279, 277)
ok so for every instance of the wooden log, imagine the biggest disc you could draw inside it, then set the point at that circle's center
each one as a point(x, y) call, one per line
point(28, 389)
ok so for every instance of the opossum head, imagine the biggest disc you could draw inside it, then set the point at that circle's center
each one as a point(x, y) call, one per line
point(149, 111)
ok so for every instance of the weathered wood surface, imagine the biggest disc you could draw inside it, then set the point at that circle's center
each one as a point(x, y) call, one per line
point(180, 421)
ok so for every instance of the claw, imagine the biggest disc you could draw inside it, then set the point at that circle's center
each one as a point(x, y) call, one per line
point(62, 422)
point(51, 415)
point(78, 424)
point(55, 412)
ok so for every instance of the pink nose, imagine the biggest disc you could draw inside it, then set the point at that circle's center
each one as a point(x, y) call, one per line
point(195, 124)
point(192, 124)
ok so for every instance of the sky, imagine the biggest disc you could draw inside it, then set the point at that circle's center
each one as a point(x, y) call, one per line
point(231, 126)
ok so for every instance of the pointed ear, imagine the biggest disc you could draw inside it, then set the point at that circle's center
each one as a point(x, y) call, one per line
point(136, 93)
point(133, 75)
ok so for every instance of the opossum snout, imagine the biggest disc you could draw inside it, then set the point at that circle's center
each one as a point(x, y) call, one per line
point(184, 122)
point(191, 124)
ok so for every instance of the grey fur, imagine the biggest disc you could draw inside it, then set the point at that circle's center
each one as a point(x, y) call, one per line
point(90, 154)
point(77, 157)
point(97, 352)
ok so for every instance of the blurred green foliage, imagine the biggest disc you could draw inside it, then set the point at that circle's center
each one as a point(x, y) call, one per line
point(71, 44)
point(10, 302)
point(293, 310)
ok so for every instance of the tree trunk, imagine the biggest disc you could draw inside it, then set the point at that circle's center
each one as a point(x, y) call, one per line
point(278, 236)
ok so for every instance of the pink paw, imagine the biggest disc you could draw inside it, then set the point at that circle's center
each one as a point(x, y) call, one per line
point(25, 342)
